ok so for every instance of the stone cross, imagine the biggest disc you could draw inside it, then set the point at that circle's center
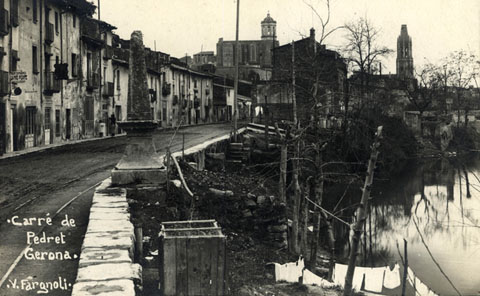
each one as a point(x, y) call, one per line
point(140, 163)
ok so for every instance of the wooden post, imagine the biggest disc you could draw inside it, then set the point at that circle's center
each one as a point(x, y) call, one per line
point(405, 267)
point(361, 213)
point(235, 83)
point(168, 155)
point(183, 146)
point(138, 243)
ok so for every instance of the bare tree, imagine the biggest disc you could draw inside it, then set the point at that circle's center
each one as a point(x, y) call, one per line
point(362, 213)
point(363, 52)
point(460, 69)
point(423, 93)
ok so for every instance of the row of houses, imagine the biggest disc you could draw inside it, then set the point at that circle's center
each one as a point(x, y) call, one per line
point(64, 73)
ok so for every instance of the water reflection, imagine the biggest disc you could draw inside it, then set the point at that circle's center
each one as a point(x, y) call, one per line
point(439, 202)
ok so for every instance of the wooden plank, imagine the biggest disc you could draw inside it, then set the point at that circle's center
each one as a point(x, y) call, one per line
point(188, 221)
point(182, 266)
point(213, 246)
point(191, 229)
point(222, 267)
point(169, 267)
point(196, 251)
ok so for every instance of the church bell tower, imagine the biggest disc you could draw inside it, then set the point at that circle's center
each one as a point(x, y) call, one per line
point(404, 54)
point(269, 27)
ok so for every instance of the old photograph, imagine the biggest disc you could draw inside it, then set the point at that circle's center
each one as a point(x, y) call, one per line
point(240, 147)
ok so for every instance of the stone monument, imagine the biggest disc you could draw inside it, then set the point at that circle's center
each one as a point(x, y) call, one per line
point(140, 164)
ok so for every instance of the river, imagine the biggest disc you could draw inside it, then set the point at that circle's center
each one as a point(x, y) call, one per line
point(435, 207)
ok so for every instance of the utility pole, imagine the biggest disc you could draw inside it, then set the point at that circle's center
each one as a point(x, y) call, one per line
point(294, 99)
point(235, 84)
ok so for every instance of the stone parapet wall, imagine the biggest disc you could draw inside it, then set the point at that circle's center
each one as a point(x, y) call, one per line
point(106, 264)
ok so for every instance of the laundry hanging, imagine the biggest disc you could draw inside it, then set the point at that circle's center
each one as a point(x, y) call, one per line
point(358, 278)
point(392, 277)
point(340, 273)
point(309, 278)
point(289, 272)
point(374, 279)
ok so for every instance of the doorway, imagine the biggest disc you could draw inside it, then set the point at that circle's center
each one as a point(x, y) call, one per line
point(68, 123)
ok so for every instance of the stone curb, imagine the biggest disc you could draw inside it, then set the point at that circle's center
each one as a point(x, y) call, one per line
point(106, 261)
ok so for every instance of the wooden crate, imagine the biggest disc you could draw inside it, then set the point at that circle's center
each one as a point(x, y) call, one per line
point(192, 258)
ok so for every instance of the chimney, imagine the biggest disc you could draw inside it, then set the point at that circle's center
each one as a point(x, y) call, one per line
point(380, 69)
point(312, 40)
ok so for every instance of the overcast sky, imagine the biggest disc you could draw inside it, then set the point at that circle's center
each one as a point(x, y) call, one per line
point(437, 27)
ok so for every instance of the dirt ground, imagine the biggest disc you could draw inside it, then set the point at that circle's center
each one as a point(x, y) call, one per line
point(248, 255)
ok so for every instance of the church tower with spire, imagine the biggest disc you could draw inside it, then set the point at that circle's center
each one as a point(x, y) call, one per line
point(269, 27)
point(404, 54)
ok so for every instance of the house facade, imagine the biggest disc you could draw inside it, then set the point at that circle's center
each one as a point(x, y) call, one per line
point(320, 81)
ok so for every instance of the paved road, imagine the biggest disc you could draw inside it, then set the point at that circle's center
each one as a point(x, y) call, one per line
point(38, 186)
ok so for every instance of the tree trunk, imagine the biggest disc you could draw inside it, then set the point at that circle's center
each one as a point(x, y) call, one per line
point(304, 221)
point(283, 172)
point(294, 246)
point(361, 213)
point(331, 243)
point(318, 200)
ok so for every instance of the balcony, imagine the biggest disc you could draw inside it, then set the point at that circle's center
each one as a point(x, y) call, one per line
point(108, 89)
point(166, 89)
point(4, 87)
point(108, 53)
point(14, 13)
point(121, 54)
point(91, 32)
point(92, 81)
point(51, 84)
point(153, 95)
point(3, 22)
point(49, 33)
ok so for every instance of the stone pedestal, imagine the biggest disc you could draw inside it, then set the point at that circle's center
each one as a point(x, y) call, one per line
point(140, 164)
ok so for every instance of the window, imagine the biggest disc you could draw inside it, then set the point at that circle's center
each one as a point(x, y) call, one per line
point(253, 53)
point(57, 123)
point(74, 65)
point(89, 65)
point(56, 22)
point(34, 60)
point(104, 75)
point(30, 120)
point(48, 118)
point(152, 110)
point(14, 59)
point(74, 21)
point(34, 11)
point(118, 79)
point(164, 110)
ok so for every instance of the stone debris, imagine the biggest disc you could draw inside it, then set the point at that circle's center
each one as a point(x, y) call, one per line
point(220, 193)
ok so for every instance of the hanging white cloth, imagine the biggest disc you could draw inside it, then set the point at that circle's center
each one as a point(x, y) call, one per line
point(309, 278)
point(422, 289)
point(358, 278)
point(340, 273)
point(374, 279)
point(289, 272)
point(392, 277)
